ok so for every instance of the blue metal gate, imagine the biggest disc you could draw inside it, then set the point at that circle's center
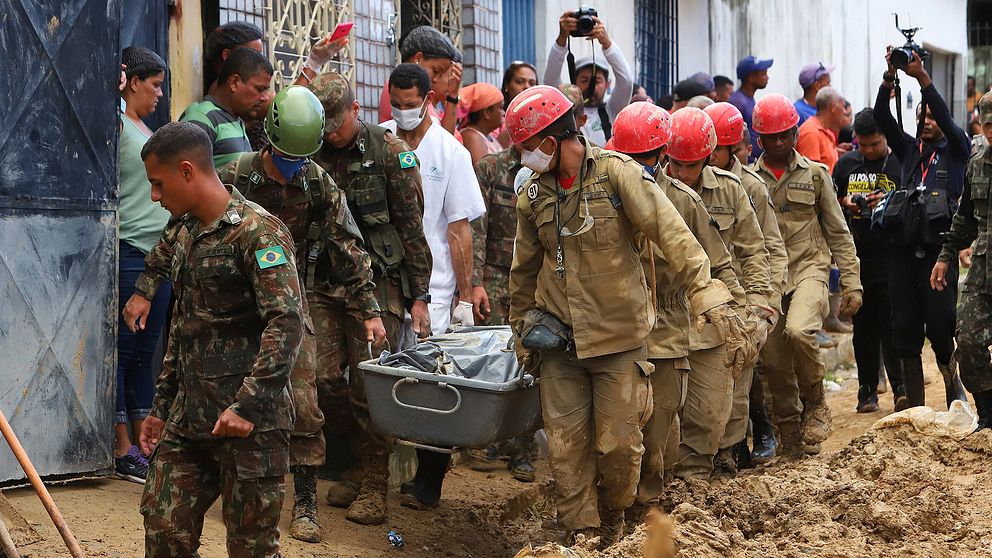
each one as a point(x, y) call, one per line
point(657, 45)
point(58, 231)
point(518, 32)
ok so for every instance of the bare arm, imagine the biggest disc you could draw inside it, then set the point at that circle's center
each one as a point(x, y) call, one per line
point(460, 244)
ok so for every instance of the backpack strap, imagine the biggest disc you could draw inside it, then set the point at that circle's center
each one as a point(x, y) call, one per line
point(242, 172)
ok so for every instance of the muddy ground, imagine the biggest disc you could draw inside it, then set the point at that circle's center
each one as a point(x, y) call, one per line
point(889, 493)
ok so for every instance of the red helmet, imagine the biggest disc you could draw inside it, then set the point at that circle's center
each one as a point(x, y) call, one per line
point(773, 114)
point(533, 110)
point(693, 135)
point(641, 127)
point(728, 121)
point(609, 145)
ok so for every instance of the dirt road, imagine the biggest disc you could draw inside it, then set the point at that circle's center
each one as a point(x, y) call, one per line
point(793, 509)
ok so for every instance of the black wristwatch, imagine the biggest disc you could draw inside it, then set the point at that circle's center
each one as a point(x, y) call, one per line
point(450, 99)
point(886, 76)
point(426, 297)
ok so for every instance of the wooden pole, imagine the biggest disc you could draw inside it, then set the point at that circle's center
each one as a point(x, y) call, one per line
point(7, 542)
point(46, 499)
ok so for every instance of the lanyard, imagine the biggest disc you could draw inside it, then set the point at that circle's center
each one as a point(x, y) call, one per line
point(926, 170)
point(559, 196)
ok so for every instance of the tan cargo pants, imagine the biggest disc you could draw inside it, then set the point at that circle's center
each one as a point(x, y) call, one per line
point(791, 356)
point(668, 382)
point(736, 429)
point(594, 410)
point(709, 395)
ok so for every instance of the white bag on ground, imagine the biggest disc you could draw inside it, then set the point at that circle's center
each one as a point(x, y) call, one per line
point(958, 422)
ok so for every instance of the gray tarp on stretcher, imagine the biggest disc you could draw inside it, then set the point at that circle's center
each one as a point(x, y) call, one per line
point(477, 353)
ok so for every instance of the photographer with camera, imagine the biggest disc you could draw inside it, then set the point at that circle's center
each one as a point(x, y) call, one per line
point(915, 217)
point(592, 74)
point(863, 176)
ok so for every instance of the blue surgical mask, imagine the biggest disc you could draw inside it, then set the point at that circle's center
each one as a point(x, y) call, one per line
point(286, 166)
point(652, 169)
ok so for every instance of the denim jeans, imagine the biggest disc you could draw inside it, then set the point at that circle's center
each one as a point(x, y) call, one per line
point(135, 383)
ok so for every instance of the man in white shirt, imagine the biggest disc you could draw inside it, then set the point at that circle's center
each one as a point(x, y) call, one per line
point(452, 198)
point(600, 111)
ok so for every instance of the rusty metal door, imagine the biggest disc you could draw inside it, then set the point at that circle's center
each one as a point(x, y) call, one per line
point(58, 231)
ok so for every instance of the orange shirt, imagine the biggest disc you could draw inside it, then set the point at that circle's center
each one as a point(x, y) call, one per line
point(817, 143)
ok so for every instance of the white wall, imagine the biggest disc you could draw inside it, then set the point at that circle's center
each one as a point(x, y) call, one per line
point(617, 15)
point(852, 34)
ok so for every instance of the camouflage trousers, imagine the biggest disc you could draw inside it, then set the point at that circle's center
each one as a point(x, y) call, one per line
point(185, 478)
point(307, 445)
point(497, 285)
point(974, 333)
point(341, 342)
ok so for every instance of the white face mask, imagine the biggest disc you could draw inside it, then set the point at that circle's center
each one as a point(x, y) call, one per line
point(409, 119)
point(537, 160)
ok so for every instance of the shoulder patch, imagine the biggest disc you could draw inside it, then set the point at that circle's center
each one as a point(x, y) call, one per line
point(272, 256)
point(408, 160)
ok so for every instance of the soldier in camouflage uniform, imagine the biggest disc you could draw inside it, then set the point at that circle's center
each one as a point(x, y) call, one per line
point(222, 413)
point(971, 224)
point(492, 249)
point(379, 174)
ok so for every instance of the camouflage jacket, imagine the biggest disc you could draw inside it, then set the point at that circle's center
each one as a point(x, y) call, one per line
point(971, 222)
point(380, 178)
point(493, 233)
point(237, 326)
point(318, 220)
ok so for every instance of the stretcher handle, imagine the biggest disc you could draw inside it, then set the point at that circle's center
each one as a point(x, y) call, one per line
point(441, 385)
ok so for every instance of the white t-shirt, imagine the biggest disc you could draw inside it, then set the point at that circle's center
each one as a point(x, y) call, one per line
point(451, 193)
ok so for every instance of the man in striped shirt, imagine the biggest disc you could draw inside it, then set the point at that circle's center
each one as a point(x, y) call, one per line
point(242, 94)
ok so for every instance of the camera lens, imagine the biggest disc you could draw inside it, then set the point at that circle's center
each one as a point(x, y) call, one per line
point(586, 24)
point(900, 57)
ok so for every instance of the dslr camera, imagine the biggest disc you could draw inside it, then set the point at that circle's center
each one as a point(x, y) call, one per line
point(585, 16)
point(902, 56)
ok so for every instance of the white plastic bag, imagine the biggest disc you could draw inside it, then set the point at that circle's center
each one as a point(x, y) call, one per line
point(957, 422)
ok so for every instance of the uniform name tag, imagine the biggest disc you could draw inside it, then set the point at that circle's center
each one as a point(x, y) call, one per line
point(717, 210)
point(802, 186)
point(270, 257)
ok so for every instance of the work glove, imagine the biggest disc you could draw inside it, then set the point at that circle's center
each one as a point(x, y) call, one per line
point(462, 314)
point(850, 302)
point(764, 319)
point(736, 334)
point(528, 359)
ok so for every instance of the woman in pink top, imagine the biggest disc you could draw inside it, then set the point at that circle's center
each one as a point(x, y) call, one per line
point(480, 112)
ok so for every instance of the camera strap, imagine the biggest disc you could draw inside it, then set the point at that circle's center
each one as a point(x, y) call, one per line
point(570, 58)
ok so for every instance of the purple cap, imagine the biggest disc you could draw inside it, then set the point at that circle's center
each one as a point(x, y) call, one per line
point(813, 72)
point(750, 64)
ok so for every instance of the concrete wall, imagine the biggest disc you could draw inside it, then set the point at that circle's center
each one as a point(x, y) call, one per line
point(618, 15)
point(853, 34)
point(482, 42)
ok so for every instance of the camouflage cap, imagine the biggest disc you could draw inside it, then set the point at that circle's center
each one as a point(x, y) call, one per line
point(335, 93)
point(985, 109)
point(574, 94)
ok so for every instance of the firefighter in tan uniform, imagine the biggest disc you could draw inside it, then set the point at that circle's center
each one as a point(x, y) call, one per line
point(580, 306)
point(642, 130)
point(711, 385)
point(730, 130)
point(814, 230)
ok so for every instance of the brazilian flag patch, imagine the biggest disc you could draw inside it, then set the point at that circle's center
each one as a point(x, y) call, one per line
point(270, 257)
point(408, 160)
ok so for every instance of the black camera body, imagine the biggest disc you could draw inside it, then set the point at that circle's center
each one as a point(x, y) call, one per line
point(585, 16)
point(900, 57)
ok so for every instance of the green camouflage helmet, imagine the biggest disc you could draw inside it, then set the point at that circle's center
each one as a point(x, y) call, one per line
point(295, 122)
point(985, 109)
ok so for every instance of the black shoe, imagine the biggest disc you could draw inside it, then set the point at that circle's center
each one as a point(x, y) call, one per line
point(522, 470)
point(867, 400)
point(983, 405)
point(765, 444)
point(131, 466)
point(912, 375)
point(742, 455)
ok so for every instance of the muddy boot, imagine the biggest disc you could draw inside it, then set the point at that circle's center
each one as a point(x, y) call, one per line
point(867, 400)
point(742, 455)
point(825, 341)
point(983, 405)
point(953, 388)
point(765, 444)
point(833, 323)
point(522, 452)
point(724, 465)
point(369, 507)
point(816, 420)
point(304, 526)
point(791, 443)
point(521, 469)
point(912, 375)
point(483, 459)
point(611, 525)
point(340, 494)
point(582, 536)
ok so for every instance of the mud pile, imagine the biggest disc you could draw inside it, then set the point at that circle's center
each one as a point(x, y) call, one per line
point(890, 493)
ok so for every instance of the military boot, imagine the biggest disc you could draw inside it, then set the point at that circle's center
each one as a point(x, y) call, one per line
point(765, 444)
point(724, 465)
point(816, 420)
point(369, 506)
point(611, 526)
point(523, 449)
point(953, 388)
point(742, 454)
point(791, 443)
point(983, 405)
point(304, 526)
point(912, 375)
point(867, 400)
